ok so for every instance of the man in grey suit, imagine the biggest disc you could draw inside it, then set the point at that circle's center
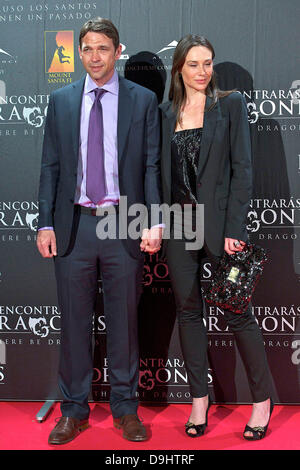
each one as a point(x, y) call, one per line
point(101, 143)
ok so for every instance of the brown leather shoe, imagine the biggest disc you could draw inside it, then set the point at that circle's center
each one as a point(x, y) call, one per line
point(66, 430)
point(133, 429)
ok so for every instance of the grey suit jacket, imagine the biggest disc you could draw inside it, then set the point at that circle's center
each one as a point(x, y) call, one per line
point(138, 156)
point(224, 180)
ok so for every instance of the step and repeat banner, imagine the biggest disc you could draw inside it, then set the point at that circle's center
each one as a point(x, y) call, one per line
point(257, 46)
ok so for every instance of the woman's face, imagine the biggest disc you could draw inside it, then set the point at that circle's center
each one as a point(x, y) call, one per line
point(197, 69)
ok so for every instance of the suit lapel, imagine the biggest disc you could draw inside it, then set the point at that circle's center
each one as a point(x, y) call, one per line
point(75, 99)
point(125, 112)
point(209, 127)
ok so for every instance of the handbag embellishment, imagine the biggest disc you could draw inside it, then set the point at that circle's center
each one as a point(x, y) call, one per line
point(235, 278)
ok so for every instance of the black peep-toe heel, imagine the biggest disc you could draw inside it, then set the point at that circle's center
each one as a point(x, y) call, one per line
point(199, 428)
point(258, 432)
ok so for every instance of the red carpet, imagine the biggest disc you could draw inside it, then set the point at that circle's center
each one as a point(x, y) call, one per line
point(20, 431)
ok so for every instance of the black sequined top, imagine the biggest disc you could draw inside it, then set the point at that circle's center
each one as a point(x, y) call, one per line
point(185, 151)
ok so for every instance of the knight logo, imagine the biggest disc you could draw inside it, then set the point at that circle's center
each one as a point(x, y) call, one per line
point(146, 380)
point(253, 114)
point(31, 221)
point(39, 326)
point(253, 221)
point(59, 51)
point(18, 215)
point(155, 270)
point(33, 116)
point(169, 47)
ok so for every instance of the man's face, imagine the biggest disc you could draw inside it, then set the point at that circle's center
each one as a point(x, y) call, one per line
point(98, 56)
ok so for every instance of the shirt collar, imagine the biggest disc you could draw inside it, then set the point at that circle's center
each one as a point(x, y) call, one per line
point(111, 85)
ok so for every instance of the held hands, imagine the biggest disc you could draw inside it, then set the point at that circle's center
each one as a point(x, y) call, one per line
point(232, 245)
point(46, 243)
point(151, 240)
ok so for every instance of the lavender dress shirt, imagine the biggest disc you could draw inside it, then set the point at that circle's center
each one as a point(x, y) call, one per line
point(109, 102)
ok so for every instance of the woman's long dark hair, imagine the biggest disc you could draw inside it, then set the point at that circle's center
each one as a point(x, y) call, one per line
point(177, 92)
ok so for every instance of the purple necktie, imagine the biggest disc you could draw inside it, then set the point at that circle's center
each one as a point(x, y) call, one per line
point(95, 175)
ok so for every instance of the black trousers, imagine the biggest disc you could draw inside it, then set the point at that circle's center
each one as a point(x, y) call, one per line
point(77, 275)
point(184, 267)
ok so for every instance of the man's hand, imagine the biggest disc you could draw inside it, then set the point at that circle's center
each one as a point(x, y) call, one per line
point(151, 240)
point(46, 243)
point(232, 245)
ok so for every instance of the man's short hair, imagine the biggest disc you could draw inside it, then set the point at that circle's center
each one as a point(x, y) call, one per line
point(103, 26)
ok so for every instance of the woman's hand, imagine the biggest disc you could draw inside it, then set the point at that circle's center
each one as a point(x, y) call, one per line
point(232, 245)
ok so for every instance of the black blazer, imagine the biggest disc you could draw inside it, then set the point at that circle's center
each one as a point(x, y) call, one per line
point(138, 156)
point(224, 181)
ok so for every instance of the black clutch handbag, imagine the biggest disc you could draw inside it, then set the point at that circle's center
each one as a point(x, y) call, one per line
point(235, 279)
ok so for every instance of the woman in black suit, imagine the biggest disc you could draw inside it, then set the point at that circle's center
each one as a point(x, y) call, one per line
point(206, 159)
